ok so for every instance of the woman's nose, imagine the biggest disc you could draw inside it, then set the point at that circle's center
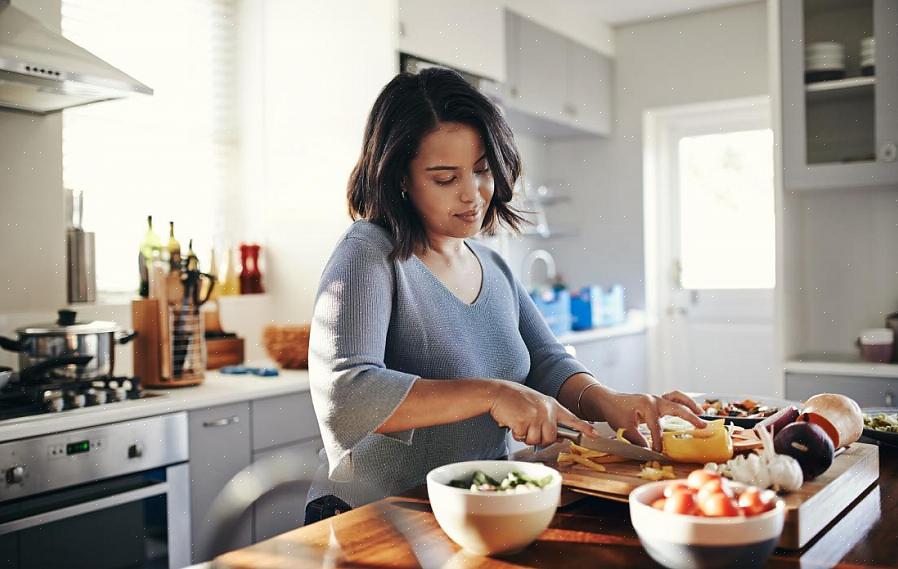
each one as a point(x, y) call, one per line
point(470, 189)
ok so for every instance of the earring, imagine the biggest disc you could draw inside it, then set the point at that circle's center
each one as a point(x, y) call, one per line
point(404, 193)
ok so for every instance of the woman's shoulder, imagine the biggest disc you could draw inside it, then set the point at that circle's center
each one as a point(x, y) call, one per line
point(363, 234)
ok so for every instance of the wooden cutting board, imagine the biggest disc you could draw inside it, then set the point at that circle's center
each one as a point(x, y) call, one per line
point(808, 511)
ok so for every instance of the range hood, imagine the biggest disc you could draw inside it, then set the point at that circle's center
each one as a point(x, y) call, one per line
point(42, 72)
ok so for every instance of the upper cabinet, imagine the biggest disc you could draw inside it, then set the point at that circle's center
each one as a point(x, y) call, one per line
point(464, 34)
point(839, 93)
point(562, 84)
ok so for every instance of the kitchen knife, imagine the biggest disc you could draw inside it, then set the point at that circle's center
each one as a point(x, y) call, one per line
point(610, 445)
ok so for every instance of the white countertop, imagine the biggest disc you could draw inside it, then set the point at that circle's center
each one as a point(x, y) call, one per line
point(218, 389)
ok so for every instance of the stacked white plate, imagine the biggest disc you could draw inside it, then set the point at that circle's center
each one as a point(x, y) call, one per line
point(868, 52)
point(825, 56)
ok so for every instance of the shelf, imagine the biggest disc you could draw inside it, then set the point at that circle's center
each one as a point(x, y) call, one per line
point(549, 233)
point(849, 87)
point(839, 364)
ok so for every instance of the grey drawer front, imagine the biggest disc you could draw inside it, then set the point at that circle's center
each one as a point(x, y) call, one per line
point(219, 449)
point(867, 391)
point(284, 509)
point(283, 419)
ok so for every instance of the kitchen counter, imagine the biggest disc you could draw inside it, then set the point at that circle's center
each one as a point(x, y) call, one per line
point(218, 389)
point(589, 532)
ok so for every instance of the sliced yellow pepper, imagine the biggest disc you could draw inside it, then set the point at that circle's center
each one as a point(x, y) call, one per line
point(711, 444)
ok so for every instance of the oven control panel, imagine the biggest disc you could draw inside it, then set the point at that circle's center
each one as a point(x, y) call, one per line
point(41, 464)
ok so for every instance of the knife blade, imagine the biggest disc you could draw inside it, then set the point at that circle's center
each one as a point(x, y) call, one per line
point(610, 445)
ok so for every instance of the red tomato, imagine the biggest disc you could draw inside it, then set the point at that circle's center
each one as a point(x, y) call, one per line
point(751, 503)
point(698, 477)
point(659, 503)
point(718, 505)
point(674, 487)
point(716, 486)
point(681, 502)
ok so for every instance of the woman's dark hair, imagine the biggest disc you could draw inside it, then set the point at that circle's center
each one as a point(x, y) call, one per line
point(410, 106)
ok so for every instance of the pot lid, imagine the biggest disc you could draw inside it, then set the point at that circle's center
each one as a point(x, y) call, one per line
point(67, 324)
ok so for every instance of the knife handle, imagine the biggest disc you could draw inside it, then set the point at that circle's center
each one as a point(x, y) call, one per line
point(568, 433)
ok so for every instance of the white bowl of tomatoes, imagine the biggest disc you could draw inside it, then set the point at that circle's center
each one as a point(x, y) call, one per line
point(706, 522)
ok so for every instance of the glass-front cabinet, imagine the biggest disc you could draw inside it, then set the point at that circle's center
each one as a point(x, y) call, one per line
point(839, 81)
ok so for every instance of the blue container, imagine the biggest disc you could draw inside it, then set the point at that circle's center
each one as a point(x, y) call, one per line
point(613, 309)
point(586, 308)
point(555, 306)
point(592, 307)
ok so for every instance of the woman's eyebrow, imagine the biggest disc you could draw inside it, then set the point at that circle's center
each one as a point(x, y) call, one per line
point(429, 168)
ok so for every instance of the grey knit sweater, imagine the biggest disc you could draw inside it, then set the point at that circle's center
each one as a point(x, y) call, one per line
point(379, 325)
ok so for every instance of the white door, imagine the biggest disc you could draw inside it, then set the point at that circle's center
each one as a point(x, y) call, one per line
point(710, 248)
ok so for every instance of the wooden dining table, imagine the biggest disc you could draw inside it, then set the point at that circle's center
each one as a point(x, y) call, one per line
point(401, 532)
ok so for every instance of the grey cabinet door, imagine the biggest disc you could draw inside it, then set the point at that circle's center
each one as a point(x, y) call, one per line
point(283, 419)
point(536, 67)
point(283, 509)
point(867, 391)
point(588, 100)
point(219, 448)
point(814, 124)
point(617, 362)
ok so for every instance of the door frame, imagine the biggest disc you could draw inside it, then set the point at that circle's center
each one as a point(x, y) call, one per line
point(660, 126)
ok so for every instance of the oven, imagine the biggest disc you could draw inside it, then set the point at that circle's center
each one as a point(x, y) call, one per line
point(106, 497)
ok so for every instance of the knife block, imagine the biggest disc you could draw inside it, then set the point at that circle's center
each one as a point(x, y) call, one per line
point(170, 348)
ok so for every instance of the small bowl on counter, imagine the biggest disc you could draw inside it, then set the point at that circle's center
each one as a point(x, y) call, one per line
point(681, 541)
point(492, 523)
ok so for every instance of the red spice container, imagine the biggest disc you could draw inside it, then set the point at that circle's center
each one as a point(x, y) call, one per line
point(250, 276)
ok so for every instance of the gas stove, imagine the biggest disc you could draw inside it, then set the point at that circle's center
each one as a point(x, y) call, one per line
point(56, 395)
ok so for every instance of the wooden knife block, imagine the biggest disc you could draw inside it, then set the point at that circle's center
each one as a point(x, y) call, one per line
point(153, 347)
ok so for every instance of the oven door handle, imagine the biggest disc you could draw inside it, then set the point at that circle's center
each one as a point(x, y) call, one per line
point(103, 503)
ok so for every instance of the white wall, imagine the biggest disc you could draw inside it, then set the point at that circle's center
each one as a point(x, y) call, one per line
point(317, 70)
point(712, 55)
point(32, 224)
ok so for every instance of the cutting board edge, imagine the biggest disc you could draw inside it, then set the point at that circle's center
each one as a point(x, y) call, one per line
point(795, 536)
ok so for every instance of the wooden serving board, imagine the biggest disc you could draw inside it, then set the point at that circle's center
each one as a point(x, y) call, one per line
point(808, 511)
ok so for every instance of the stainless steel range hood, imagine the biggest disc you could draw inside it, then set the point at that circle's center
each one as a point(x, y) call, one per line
point(42, 72)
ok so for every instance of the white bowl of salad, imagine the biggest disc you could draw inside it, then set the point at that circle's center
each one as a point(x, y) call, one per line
point(491, 507)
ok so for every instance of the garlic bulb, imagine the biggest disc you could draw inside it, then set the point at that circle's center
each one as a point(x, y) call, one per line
point(765, 470)
point(785, 471)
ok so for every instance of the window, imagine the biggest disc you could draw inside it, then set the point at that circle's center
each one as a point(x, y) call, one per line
point(727, 235)
point(172, 155)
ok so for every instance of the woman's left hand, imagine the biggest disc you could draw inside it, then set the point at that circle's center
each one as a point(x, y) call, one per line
point(628, 410)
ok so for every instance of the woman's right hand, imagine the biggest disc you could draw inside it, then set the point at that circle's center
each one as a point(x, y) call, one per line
point(531, 416)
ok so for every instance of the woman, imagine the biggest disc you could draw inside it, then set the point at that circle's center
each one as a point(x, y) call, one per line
point(425, 349)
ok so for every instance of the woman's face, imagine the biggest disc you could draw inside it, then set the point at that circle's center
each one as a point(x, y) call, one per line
point(450, 184)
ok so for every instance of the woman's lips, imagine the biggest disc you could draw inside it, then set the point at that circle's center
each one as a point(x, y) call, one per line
point(469, 216)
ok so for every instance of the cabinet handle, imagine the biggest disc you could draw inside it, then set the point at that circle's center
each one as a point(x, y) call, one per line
point(888, 152)
point(890, 398)
point(223, 422)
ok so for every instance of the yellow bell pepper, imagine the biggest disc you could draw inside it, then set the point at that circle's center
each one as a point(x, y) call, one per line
point(711, 444)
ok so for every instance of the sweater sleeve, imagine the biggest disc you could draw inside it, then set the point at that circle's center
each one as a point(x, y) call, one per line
point(550, 364)
point(352, 390)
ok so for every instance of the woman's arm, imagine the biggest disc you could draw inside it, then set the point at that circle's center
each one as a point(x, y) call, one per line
point(531, 416)
point(626, 410)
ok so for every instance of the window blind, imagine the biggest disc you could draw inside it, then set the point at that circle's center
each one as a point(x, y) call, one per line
point(172, 155)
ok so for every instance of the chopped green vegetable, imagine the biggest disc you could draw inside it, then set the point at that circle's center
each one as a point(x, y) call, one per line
point(514, 482)
point(882, 422)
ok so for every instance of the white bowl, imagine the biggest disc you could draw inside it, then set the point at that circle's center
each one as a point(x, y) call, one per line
point(825, 47)
point(487, 523)
point(680, 541)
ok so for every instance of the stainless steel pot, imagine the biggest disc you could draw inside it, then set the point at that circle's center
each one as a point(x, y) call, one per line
point(68, 337)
